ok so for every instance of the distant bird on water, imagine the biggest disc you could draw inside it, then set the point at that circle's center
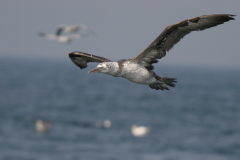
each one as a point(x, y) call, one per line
point(139, 69)
point(139, 131)
point(105, 124)
point(42, 126)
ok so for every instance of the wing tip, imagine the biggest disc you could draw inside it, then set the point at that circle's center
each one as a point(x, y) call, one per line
point(75, 53)
point(71, 54)
point(230, 16)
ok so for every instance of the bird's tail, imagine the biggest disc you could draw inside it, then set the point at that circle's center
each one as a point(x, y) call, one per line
point(163, 82)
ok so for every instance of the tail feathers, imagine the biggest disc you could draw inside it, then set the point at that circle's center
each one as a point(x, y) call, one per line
point(163, 82)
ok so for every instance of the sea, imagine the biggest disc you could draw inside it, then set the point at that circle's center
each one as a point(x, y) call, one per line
point(199, 119)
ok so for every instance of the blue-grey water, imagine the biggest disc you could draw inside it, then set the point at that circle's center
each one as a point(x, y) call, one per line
point(199, 119)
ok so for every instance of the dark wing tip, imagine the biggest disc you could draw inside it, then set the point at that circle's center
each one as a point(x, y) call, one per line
point(81, 59)
point(72, 54)
point(231, 16)
point(223, 17)
point(59, 30)
point(77, 59)
point(78, 54)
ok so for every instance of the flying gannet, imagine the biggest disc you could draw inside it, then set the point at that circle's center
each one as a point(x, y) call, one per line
point(62, 39)
point(140, 69)
point(67, 28)
point(58, 36)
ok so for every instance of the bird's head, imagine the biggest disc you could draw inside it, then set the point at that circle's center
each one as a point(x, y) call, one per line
point(102, 68)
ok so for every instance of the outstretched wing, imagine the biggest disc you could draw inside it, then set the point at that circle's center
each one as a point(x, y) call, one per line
point(77, 27)
point(66, 28)
point(174, 33)
point(60, 29)
point(81, 59)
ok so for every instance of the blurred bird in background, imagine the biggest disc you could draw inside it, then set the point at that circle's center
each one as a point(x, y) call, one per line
point(66, 33)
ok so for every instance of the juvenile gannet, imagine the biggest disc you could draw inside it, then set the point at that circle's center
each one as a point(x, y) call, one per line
point(139, 69)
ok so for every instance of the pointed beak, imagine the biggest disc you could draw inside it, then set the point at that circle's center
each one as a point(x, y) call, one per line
point(95, 70)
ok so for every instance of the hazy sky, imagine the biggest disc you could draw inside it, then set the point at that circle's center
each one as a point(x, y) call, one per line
point(124, 28)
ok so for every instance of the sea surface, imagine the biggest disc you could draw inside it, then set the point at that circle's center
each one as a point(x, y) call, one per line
point(199, 119)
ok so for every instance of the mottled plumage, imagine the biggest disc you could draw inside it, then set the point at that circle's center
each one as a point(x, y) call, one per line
point(139, 69)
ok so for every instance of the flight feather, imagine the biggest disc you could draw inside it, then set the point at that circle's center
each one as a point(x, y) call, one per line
point(174, 33)
point(81, 59)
